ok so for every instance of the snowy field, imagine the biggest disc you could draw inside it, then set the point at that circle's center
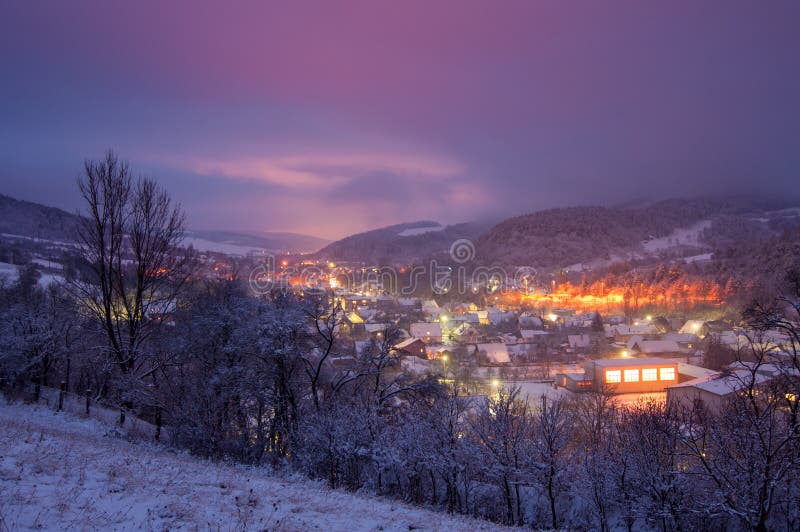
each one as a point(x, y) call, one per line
point(61, 472)
point(10, 274)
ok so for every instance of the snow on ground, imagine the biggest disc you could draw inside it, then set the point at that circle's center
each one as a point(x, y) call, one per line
point(61, 472)
point(686, 236)
point(45, 263)
point(201, 244)
point(11, 273)
point(56, 243)
point(703, 257)
point(420, 230)
point(534, 391)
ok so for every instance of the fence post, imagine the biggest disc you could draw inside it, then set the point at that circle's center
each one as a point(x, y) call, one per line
point(61, 390)
point(158, 423)
point(88, 399)
point(121, 417)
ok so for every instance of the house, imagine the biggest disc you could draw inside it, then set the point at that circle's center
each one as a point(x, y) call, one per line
point(376, 329)
point(429, 332)
point(638, 346)
point(497, 317)
point(623, 333)
point(530, 335)
point(385, 302)
point(686, 342)
point(579, 341)
point(430, 307)
point(411, 347)
point(574, 382)
point(495, 353)
point(529, 321)
point(415, 365)
point(352, 323)
point(713, 391)
point(159, 310)
point(696, 327)
point(408, 302)
point(464, 332)
point(482, 315)
point(632, 375)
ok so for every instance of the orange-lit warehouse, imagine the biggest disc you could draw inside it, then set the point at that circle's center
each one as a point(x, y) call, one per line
point(632, 375)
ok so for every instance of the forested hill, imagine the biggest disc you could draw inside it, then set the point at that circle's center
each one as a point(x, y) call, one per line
point(29, 219)
point(558, 238)
point(402, 243)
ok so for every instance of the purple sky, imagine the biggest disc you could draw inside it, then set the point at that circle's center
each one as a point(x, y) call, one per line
point(334, 117)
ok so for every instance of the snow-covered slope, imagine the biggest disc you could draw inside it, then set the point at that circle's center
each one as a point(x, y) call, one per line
point(60, 472)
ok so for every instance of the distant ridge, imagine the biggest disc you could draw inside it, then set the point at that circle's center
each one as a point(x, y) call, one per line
point(401, 243)
point(25, 218)
point(34, 220)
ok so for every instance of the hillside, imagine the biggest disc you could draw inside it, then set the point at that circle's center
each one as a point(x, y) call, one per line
point(34, 220)
point(241, 243)
point(59, 472)
point(401, 243)
point(596, 236)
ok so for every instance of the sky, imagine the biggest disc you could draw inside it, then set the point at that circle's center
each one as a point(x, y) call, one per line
point(334, 117)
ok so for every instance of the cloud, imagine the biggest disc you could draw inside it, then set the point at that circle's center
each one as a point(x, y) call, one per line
point(320, 171)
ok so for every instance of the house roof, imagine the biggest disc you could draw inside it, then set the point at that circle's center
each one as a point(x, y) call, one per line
point(354, 318)
point(656, 346)
point(423, 329)
point(692, 327)
point(724, 383)
point(407, 342)
point(579, 340)
point(532, 333)
point(496, 352)
point(651, 361)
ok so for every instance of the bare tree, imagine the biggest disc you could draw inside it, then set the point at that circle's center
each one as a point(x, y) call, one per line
point(129, 238)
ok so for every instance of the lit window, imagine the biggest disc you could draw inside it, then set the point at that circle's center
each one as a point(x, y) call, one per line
point(631, 375)
point(613, 376)
point(667, 374)
point(649, 374)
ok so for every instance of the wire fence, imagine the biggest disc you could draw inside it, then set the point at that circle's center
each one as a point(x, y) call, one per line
point(86, 406)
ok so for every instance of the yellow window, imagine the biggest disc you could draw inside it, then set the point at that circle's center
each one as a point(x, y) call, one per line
point(613, 375)
point(631, 375)
point(667, 374)
point(649, 374)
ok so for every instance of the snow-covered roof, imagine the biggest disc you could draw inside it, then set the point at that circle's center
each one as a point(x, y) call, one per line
point(656, 346)
point(532, 333)
point(692, 327)
point(626, 330)
point(407, 342)
point(579, 340)
point(495, 352)
point(650, 361)
point(724, 384)
point(425, 329)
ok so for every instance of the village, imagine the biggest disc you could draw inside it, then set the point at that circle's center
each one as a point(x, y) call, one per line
point(543, 350)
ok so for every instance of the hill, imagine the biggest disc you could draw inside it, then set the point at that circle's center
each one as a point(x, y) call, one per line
point(401, 243)
point(592, 236)
point(25, 218)
point(33, 220)
point(241, 243)
point(59, 472)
